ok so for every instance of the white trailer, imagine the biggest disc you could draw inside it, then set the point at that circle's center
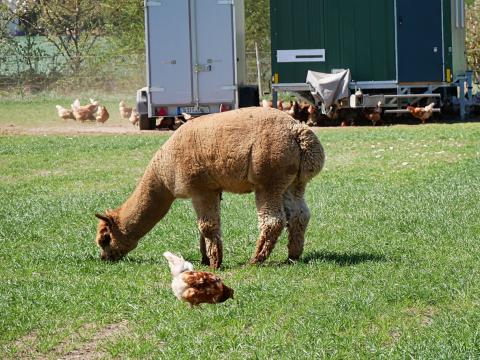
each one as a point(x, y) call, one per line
point(195, 59)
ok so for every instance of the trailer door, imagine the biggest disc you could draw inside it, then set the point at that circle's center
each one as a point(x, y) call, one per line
point(168, 52)
point(420, 44)
point(214, 51)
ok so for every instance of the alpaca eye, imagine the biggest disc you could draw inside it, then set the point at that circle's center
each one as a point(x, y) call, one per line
point(105, 240)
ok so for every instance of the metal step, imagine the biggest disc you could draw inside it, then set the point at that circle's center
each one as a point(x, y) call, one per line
point(408, 96)
point(405, 111)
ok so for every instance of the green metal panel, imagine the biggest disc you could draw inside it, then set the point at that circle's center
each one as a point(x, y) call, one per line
point(447, 36)
point(359, 35)
point(459, 62)
point(454, 37)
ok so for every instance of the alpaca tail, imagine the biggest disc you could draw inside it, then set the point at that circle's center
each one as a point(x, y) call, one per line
point(177, 264)
point(312, 153)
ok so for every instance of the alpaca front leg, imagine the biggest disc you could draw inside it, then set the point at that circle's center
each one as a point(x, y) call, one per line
point(210, 248)
point(207, 207)
point(271, 220)
point(298, 216)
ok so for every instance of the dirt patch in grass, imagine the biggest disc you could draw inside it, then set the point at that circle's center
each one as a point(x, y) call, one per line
point(114, 127)
point(425, 316)
point(25, 346)
point(69, 129)
point(74, 347)
point(394, 336)
point(90, 350)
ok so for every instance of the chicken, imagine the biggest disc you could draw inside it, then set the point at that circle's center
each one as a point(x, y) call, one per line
point(167, 122)
point(196, 287)
point(134, 117)
point(83, 113)
point(179, 121)
point(125, 111)
point(102, 114)
point(422, 113)
point(64, 113)
point(287, 106)
point(269, 104)
point(294, 109)
point(266, 103)
point(94, 102)
point(303, 112)
point(312, 116)
point(375, 115)
point(187, 116)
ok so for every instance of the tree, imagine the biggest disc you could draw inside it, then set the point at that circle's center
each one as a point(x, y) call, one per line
point(18, 59)
point(257, 24)
point(125, 26)
point(473, 36)
point(72, 26)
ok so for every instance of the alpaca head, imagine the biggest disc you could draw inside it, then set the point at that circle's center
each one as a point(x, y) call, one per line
point(112, 242)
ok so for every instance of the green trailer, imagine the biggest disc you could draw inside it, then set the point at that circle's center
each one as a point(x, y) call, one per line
point(407, 49)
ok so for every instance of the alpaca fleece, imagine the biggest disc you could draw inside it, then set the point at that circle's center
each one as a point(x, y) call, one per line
point(240, 151)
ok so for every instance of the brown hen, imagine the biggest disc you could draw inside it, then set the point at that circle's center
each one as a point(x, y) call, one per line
point(196, 287)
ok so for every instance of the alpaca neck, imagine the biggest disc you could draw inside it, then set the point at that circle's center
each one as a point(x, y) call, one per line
point(147, 205)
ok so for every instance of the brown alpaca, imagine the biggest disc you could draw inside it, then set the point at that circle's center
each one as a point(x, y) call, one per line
point(250, 149)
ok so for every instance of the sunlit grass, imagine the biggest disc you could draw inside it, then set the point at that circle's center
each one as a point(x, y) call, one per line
point(390, 267)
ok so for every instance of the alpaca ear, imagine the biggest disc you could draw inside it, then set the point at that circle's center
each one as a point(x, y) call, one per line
point(105, 218)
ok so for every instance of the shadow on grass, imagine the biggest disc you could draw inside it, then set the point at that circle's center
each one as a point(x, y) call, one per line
point(342, 259)
point(95, 259)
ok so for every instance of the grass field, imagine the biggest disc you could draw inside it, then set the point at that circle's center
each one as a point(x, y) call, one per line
point(40, 112)
point(390, 269)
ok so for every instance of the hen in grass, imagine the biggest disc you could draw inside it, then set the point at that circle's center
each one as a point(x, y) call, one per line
point(422, 113)
point(102, 114)
point(64, 114)
point(134, 117)
point(196, 287)
point(125, 111)
point(85, 112)
point(375, 114)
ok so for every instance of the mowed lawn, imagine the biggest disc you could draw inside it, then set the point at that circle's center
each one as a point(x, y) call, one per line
point(391, 267)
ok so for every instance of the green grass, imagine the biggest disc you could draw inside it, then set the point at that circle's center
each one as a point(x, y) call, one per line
point(390, 268)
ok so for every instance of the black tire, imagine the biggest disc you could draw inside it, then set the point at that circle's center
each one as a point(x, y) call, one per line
point(147, 123)
point(248, 96)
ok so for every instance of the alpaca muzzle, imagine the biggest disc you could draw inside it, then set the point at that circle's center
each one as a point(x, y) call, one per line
point(110, 254)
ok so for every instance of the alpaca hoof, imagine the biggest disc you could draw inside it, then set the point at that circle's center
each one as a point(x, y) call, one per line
point(257, 260)
point(214, 263)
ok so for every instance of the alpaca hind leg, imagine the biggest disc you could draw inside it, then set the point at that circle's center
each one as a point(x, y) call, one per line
point(271, 220)
point(298, 216)
point(207, 207)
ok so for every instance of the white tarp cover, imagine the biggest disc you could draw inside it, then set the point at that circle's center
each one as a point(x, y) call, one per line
point(329, 88)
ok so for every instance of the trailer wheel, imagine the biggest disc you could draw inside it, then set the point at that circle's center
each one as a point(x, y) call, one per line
point(147, 123)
